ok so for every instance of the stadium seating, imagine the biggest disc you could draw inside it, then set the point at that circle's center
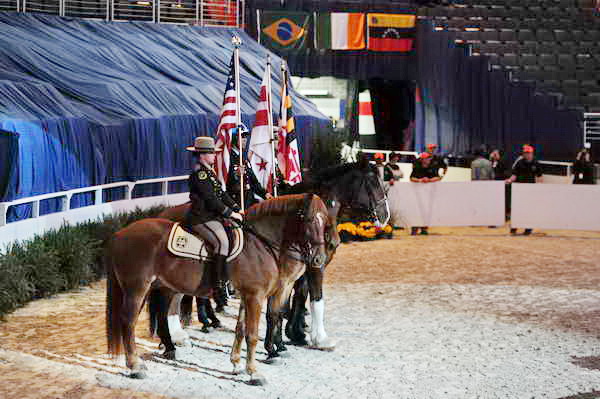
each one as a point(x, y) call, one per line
point(552, 44)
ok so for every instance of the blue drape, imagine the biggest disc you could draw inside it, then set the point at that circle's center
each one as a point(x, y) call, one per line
point(464, 105)
point(96, 102)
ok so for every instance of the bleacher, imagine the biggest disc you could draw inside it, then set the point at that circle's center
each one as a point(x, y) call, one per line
point(552, 44)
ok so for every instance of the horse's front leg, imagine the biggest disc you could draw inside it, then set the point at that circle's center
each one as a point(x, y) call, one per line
point(253, 308)
point(272, 325)
point(178, 335)
point(318, 336)
point(295, 325)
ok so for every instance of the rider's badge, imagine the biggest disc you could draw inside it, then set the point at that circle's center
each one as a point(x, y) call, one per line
point(181, 242)
point(202, 175)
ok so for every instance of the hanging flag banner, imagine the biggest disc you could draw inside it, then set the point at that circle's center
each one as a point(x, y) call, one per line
point(391, 32)
point(341, 31)
point(287, 31)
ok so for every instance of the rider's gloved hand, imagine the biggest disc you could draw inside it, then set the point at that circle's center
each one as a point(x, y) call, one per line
point(237, 216)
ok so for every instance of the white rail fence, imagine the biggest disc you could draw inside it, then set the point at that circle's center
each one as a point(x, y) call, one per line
point(38, 224)
point(226, 13)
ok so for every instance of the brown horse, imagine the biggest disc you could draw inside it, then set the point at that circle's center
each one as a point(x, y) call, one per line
point(137, 256)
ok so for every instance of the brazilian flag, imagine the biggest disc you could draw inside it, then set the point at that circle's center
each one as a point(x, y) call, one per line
point(285, 31)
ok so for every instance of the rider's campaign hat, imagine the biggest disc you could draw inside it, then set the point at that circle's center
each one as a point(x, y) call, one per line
point(203, 145)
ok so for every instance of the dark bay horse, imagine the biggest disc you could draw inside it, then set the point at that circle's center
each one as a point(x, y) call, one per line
point(351, 187)
point(137, 256)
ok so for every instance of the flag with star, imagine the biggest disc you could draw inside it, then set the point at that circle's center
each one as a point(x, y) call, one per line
point(227, 125)
point(288, 155)
point(260, 153)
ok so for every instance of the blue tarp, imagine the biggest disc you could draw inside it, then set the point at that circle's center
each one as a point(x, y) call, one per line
point(95, 102)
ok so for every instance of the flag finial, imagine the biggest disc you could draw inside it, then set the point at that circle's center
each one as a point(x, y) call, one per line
point(236, 41)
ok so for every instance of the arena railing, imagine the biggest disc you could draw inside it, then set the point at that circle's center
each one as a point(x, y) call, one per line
point(591, 127)
point(36, 223)
point(224, 13)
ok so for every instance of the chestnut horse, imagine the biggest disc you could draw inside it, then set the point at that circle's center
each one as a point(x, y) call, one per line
point(137, 256)
point(353, 187)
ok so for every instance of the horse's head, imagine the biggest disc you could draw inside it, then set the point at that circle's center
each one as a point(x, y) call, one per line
point(320, 233)
point(359, 188)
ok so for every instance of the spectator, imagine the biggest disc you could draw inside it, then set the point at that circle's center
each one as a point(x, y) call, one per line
point(424, 171)
point(526, 169)
point(392, 172)
point(583, 168)
point(481, 168)
point(437, 161)
point(498, 165)
point(379, 158)
point(500, 169)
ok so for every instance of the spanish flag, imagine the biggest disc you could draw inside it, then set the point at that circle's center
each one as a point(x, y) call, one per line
point(391, 32)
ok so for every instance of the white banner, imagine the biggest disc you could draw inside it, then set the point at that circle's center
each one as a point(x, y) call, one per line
point(556, 206)
point(478, 203)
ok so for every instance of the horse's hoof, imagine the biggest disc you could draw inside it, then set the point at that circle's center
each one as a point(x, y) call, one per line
point(216, 324)
point(236, 370)
point(299, 342)
point(205, 329)
point(326, 345)
point(169, 355)
point(281, 348)
point(257, 380)
point(272, 358)
point(138, 374)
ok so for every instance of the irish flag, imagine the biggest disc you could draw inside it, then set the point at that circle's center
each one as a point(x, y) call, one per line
point(342, 31)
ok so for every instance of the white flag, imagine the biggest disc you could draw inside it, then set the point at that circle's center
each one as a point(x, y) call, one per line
point(260, 153)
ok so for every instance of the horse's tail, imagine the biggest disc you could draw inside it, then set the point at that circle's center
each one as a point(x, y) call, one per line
point(114, 305)
point(154, 306)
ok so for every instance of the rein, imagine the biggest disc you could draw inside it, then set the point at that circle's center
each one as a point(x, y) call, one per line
point(274, 248)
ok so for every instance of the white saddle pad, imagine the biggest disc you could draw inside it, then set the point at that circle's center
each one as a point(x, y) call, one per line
point(182, 243)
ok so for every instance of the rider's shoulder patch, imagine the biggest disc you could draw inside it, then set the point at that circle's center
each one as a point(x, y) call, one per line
point(202, 175)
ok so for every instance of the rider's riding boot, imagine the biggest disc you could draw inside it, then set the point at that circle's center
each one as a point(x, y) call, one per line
point(221, 271)
point(220, 299)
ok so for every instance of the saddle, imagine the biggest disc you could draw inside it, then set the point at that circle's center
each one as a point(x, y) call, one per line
point(183, 243)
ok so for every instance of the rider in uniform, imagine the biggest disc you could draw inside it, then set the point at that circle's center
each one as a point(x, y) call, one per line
point(252, 187)
point(210, 206)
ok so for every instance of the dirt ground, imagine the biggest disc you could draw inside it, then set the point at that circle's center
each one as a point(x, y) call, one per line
point(453, 285)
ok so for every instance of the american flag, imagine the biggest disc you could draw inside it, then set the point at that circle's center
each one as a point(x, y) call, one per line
point(288, 156)
point(227, 123)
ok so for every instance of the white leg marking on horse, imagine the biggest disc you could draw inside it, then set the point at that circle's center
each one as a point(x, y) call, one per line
point(318, 335)
point(320, 217)
point(178, 335)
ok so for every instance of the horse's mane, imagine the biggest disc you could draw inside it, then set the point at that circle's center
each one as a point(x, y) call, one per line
point(318, 178)
point(276, 207)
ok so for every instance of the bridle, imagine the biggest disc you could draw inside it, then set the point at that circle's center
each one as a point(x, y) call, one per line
point(374, 204)
point(304, 248)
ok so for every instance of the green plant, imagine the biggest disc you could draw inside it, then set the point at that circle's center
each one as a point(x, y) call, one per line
point(59, 259)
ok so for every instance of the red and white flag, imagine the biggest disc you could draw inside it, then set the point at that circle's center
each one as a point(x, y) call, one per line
point(227, 124)
point(288, 155)
point(260, 153)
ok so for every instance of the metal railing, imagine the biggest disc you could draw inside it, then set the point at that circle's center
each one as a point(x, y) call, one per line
point(591, 127)
point(65, 196)
point(225, 13)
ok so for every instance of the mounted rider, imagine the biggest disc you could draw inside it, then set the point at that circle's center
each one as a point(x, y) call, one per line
point(210, 206)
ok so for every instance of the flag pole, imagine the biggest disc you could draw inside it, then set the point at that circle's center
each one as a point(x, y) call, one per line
point(284, 94)
point(270, 123)
point(237, 43)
